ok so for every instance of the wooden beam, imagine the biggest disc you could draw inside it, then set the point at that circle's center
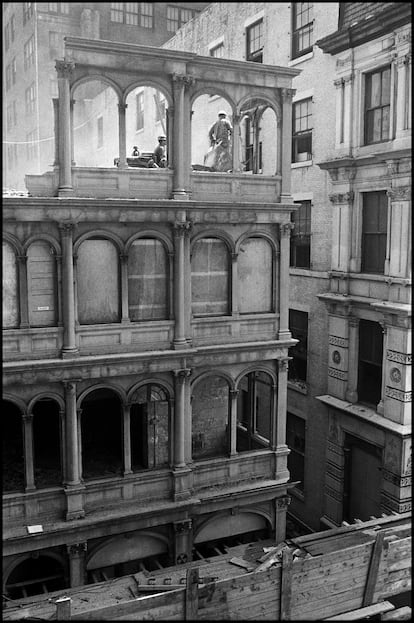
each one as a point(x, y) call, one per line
point(361, 613)
point(286, 585)
point(373, 570)
point(63, 609)
point(191, 594)
point(400, 614)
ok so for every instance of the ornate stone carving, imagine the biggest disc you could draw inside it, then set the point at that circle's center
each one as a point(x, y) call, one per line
point(337, 374)
point(77, 549)
point(122, 106)
point(403, 193)
point(353, 321)
point(398, 394)
point(182, 527)
point(181, 228)
point(340, 62)
point(285, 229)
point(287, 94)
point(334, 340)
point(182, 375)
point(22, 259)
point(283, 364)
point(181, 559)
point(64, 68)
point(336, 356)
point(399, 481)
point(346, 197)
point(27, 418)
point(182, 80)
point(67, 228)
point(283, 502)
point(392, 167)
point(395, 375)
point(234, 393)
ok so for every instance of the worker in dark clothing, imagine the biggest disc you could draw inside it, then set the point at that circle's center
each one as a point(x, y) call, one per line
point(135, 151)
point(160, 157)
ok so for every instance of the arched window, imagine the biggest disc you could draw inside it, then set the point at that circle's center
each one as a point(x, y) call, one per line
point(150, 428)
point(47, 444)
point(98, 282)
point(210, 278)
point(255, 271)
point(41, 283)
point(35, 576)
point(254, 411)
point(13, 449)
point(10, 288)
point(210, 416)
point(147, 280)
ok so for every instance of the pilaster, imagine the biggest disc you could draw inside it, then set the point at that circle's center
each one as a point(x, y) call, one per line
point(77, 564)
point(181, 231)
point(64, 70)
point(68, 297)
point(182, 475)
point(287, 95)
point(284, 332)
point(23, 291)
point(281, 507)
point(182, 541)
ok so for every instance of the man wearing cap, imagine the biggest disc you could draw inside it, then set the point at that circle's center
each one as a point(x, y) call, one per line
point(159, 152)
point(219, 158)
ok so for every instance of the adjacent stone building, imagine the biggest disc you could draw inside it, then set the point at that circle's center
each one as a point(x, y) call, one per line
point(146, 337)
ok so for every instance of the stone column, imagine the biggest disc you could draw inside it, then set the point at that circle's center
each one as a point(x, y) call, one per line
point(72, 133)
point(28, 452)
point(233, 393)
point(341, 230)
point(55, 101)
point(281, 402)
point(170, 136)
point(234, 287)
point(274, 415)
point(400, 226)
point(122, 135)
point(353, 333)
point(281, 506)
point(287, 95)
point(124, 288)
point(64, 70)
point(181, 141)
point(181, 377)
point(127, 439)
point(23, 291)
point(284, 332)
point(62, 438)
point(181, 230)
point(182, 541)
point(279, 147)
point(236, 142)
point(77, 566)
point(58, 259)
point(68, 297)
point(73, 486)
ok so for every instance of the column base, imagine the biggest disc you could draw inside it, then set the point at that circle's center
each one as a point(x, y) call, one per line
point(65, 191)
point(180, 194)
point(180, 344)
point(284, 335)
point(74, 502)
point(67, 353)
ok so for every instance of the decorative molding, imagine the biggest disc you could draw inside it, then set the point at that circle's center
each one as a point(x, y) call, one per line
point(338, 198)
point(403, 193)
point(335, 448)
point(397, 357)
point(181, 228)
point(336, 357)
point(182, 527)
point(67, 228)
point(283, 364)
point(182, 80)
point(353, 321)
point(287, 94)
point(77, 549)
point(285, 229)
point(64, 68)
point(398, 394)
point(234, 393)
point(338, 374)
point(395, 375)
point(283, 503)
point(122, 106)
point(182, 375)
point(399, 481)
point(395, 505)
point(334, 340)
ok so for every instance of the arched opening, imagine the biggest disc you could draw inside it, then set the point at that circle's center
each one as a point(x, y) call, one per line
point(101, 434)
point(98, 289)
point(254, 411)
point(255, 272)
point(36, 575)
point(10, 288)
point(95, 124)
point(258, 138)
point(42, 284)
point(210, 279)
point(211, 134)
point(146, 123)
point(210, 417)
point(150, 428)
point(148, 280)
point(47, 443)
point(13, 448)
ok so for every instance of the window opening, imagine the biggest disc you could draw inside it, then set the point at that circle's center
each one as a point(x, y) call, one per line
point(35, 576)
point(13, 449)
point(298, 323)
point(295, 439)
point(150, 428)
point(302, 37)
point(377, 106)
point(300, 240)
point(371, 340)
point(254, 412)
point(374, 232)
point(302, 131)
point(46, 442)
point(254, 41)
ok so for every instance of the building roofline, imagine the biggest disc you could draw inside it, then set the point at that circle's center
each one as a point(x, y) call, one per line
point(370, 28)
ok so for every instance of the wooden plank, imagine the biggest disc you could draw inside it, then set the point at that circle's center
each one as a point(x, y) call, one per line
point(191, 594)
point(361, 613)
point(373, 569)
point(286, 585)
point(400, 614)
point(63, 609)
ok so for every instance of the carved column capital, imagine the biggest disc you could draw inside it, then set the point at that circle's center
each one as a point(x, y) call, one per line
point(353, 321)
point(346, 197)
point(124, 257)
point(69, 385)
point(234, 393)
point(122, 106)
point(22, 259)
point(283, 364)
point(285, 229)
point(183, 527)
point(182, 228)
point(182, 375)
point(283, 503)
point(180, 80)
point(403, 193)
point(67, 228)
point(64, 68)
point(287, 94)
point(27, 418)
point(76, 549)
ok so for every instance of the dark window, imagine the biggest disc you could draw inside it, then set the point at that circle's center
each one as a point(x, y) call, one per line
point(27, 11)
point(300, 241)
point(250, 164)
point(254, 42)
point(254, 408)
point(133, 13)
point(302, 131)
point(59, 7)
point(7, 36)
point(100, 131)
point(28, 53)
point(370, 362)
point(377, 106)
point(140, 111)
point(374, 232)
point(295, 439)
point(298, 323)
point(176, 17)
point(217, 51)
point(302, 37)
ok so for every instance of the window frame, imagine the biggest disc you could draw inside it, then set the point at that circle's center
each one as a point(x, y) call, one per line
point(295, 450)
point(299, 333)
point(305, 134)
point(297, 217)
point(256, 55)
point(138, 14)
point(219, 46)
point(7, 36)
point(62, 8)
point(30, 99)
point(368, 110)
point(367, 262)
point(29, 53)
point(298, 30)
point(179, 20)
point(366, 365)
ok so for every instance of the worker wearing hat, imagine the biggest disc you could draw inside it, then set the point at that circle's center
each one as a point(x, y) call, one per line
point(220, 131)
point(160, 157)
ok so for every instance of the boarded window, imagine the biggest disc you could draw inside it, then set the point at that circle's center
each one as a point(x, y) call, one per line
point(255, 269)
point(98, 282)
point(210, 278)
point(41, 281)
point(147, 280)
point(210, 414)
point(10, 288)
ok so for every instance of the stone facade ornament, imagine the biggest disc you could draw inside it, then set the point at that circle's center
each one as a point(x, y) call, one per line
point(395, 375)
point(403, 193)
point(283, 502)
point(346, 197)
point(287, 94)
point(64, 68)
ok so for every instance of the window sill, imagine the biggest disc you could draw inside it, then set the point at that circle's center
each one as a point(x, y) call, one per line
point(300, 59)
point(298, 165)
point(298, 386)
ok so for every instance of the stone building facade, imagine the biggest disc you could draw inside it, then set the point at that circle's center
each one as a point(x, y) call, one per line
point(146, 338)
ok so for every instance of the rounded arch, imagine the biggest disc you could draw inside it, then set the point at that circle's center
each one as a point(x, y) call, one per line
point(256, 368)
point(150, 381)
point(262, 97)
point(214, 233)
point(44, 238)
point(24, 559)
point(221, 373)
point(11, 565)
point(225, 524)
point(257, 234)
point(98, 78)
point(214, 90)
point(46, 396)
point(14, 242)
point(17, 402)
point(150, 233)
point(99, 233)
point(153, 84)
point(119, 391)
point(127, 547)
